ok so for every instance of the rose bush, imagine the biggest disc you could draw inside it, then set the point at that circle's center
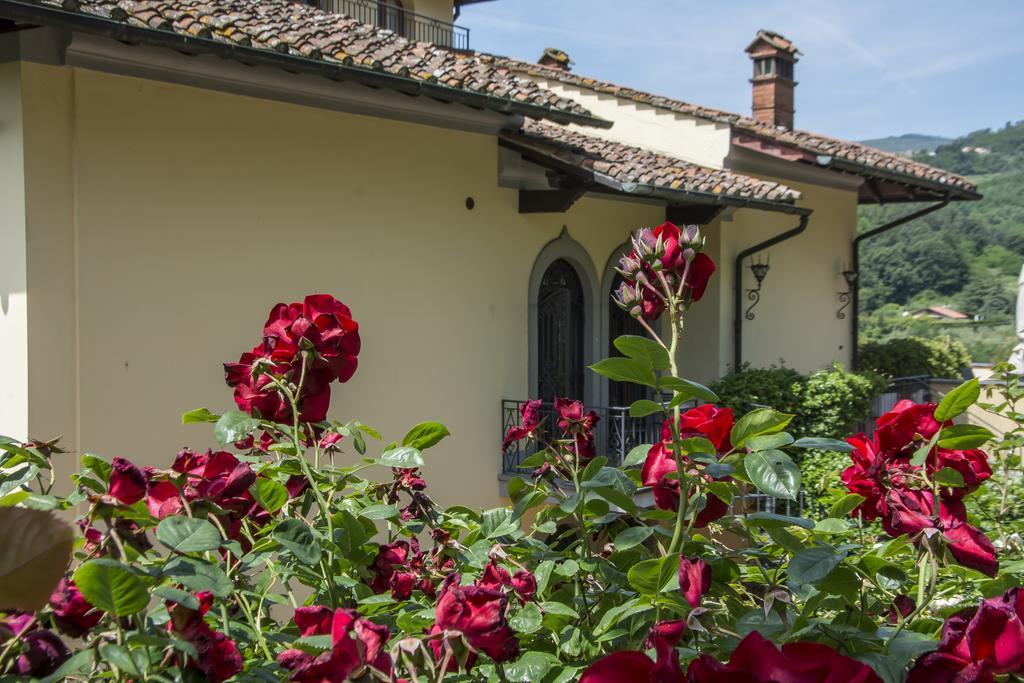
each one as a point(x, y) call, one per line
point(271, 558)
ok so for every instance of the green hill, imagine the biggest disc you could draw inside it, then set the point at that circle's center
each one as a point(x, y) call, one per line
point(907, 143)
point(966, 256)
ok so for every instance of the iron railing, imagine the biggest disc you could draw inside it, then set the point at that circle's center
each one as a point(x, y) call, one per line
point(804, 505)
point(415, 27)
point(615, 435)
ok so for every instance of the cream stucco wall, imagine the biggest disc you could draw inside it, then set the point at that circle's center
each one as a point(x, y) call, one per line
point(13, 258)
point(435, 9)
point(795, 321)
point(182, 215)
point(686, 137)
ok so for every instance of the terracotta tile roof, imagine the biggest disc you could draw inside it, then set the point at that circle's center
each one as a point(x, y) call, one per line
point(289, 29)
point(943, 311)
point(627, 165)
point(858, 155)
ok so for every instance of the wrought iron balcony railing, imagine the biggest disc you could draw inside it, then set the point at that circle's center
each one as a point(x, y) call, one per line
point(615, 435)
point(413, 26)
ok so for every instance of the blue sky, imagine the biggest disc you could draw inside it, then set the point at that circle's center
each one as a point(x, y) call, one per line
point(870, 68)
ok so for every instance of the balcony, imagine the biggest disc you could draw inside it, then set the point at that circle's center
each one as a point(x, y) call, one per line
point(415, 27)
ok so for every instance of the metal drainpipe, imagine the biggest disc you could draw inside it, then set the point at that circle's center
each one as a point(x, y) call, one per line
point(855, 294)
point(737, 336)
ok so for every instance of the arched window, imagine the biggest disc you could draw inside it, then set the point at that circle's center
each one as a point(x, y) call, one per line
point(560, 333)
point(620, 322)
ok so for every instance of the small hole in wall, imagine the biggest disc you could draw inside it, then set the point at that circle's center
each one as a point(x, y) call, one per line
point(470, 203)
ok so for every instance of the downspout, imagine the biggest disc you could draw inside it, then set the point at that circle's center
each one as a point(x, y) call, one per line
point(855, 288)
point(737, 335)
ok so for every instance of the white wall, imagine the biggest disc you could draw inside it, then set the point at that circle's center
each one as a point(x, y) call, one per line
point(686, 137)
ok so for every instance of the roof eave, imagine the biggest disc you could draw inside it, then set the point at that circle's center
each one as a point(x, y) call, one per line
point(668, 195)
point(33, 13)
point(954, 192)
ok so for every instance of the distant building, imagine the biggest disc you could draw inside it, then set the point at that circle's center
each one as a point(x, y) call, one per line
point(939, 313)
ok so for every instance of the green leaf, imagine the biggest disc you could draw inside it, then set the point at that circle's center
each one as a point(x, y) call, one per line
point(958, 400)
point(644, 407)
point(543, 575)
point(270, 494)
point(187, 535)
point(823, 444)
point(425, 435)
point(74, 664)
point(625, 370)
point(633, 536)
point(526, 620)
point(569, 568)
point(688, 390)
point(198, 575)
point(381, 511)
point(832, 526)
point(948, 476)
point(559, 609)
point(774, 473)
point(98, 465)
point(296, 536)
point(404, 457)
point(770, 520)
point(845, 505)
point(111, 586)
point(964, 437)
point(532, 666)
point(120, 657)
point(234, 426)
point(651, 576)
point(646, 351)
point(199, 415)
point(756, 423)
point(769, 441)
point(183, 598)
point(636, 455)
point(813, 564)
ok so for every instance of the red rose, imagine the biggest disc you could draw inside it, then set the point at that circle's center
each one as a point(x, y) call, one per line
point(127, 482)
point(323, 322)
point(530, 411)
point(972, 465)
point(657, 466)
point(525, 585)
point(757, 659)
point(978, 643)
point(700, 273)
point(356, 643)
point(906, 426)
point(863, 476)
point(637, 667)
point(219, 658)
point(42, 652)
point(694, 579)
point(709, 421)
point(71, 611)
point(911, 512)
point(479, 615)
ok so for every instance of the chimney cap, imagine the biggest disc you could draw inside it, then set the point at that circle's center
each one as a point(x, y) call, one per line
point(775, 40)
point(558, 59)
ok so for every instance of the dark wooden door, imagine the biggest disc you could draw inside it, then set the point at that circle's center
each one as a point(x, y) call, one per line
point(560, 321)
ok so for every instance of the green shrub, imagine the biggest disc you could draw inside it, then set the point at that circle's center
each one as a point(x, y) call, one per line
point(832, 402)
point(911, 356)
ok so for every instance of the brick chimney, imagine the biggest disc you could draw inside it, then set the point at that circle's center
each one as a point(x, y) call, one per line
point(553, 58)
point(773, 56)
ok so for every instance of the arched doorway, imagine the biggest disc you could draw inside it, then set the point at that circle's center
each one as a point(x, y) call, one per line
point(561, 322)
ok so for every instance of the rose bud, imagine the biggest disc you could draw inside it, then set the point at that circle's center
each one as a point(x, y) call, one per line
point(690, 236)
point(127, 482)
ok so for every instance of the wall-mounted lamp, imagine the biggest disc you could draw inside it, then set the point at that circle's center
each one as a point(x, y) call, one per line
point(845, 297)
point(754, 295)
